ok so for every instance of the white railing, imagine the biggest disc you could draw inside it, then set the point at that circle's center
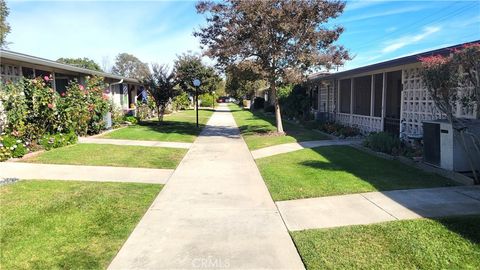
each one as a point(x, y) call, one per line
point(364, 123)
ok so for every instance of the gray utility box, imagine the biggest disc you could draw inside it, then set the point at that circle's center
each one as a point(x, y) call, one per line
point(443, 147)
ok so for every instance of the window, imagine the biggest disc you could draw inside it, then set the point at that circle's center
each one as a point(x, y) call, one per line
point(345, 95)
point(378, 90)
point(315, 98)
point(28, 72)
point(362, 92)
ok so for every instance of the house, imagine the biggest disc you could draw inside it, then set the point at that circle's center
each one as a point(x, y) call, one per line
point(387, 96)
point(13, 66)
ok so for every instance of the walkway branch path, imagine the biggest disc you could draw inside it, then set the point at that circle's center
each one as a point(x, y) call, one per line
point(374, 207)
point(290, 147)
point(134, 142)
point(214, 212)
point(22, 170)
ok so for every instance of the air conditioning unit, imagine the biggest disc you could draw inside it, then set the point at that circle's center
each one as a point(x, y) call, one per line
point(444, 147)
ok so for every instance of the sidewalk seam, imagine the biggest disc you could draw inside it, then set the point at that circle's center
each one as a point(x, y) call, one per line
point(466, 195)
point(379, 207)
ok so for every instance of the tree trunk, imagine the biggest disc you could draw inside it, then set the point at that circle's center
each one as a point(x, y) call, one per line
point(160, 113)
point(278, 115)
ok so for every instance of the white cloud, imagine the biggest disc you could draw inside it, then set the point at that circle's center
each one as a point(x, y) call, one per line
point(353, 5)
point(403, 41)
point(371, 15)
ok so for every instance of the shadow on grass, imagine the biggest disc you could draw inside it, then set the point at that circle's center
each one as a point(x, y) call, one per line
point(262, 124)
point(392, 175)
point(177, 127)
point(380, 173)
point(467, 228)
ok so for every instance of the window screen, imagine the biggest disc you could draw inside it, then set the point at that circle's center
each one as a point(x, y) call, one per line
point(345, 95)
point(362, 89)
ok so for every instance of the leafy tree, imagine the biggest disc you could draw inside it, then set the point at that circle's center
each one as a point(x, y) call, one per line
point(243, 79)
point(160, 84)
point(81, 62)
point(442, 76)
point(189, 67)
point(468, 60)
point(280, 36)
point(128, 65)
point(4, 25)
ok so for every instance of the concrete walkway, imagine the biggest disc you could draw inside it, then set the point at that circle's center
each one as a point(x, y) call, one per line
point(84, 173)
point(134, 142)
point(214, 212)
point(373, 207)
point(290, 147)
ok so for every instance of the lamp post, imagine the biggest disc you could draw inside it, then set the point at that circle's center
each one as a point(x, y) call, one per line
point(213, 97)
point(196, 83)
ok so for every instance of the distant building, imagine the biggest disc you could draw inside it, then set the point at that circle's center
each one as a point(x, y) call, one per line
point(123, 91)
point(388, 96)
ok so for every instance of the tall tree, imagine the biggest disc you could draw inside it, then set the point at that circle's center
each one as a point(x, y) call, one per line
point(189, 67)
point(160, 84)
point(243, 79)
point(81, 62)
point(4, 25)
point(128, 65)
point(279, 35)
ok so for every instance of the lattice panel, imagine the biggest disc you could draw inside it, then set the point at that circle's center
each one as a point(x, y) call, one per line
point(3, 117)
point(417, 105)
point(343, 118)
point(326, 99)
point(367, 124)
point(10, 73)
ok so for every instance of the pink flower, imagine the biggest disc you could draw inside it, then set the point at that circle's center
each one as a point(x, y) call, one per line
point(434, 60)
point(50, 105)
point(46, 78)
point(62, 94)
point(81, 87)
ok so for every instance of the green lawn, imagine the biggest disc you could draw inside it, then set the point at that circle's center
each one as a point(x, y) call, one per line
point(258, 129)
point(335, 170)
point(177, 127)
point(113, 155)
point(448, 243)
point(68, 224)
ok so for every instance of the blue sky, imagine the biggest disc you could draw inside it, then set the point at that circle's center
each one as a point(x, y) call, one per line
point(156, 31)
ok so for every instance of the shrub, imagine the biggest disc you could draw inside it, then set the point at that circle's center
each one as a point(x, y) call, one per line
point(383, 142)
point(14, 147)
point(131, 119)
point(294, 101)
point(49, 141)
point(13, 101)
point(339, 130)
point(181, 102)
point(117, 115)
point(144, 112)
point(207, 99)
point(269, 108)
point(258, 103)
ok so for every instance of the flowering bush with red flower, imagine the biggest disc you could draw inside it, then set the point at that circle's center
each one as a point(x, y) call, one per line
point(84, 106)
point(440, 76)
point(34, 109)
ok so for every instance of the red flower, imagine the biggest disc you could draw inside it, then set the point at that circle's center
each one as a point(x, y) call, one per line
point(434, 60)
